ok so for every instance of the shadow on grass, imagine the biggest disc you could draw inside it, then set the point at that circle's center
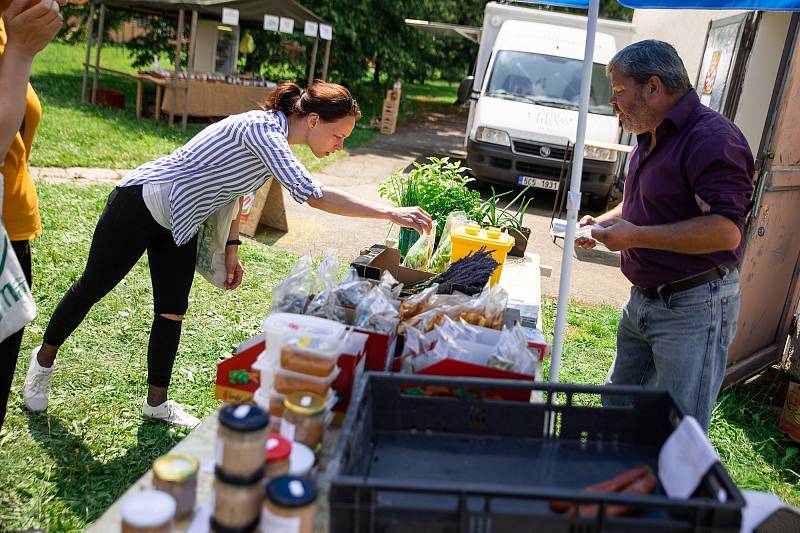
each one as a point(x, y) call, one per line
point(89, 486)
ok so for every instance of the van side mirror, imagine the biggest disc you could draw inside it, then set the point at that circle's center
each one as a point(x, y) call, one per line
point(464, 90)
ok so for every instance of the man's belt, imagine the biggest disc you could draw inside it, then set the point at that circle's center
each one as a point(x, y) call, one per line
point(668, 289)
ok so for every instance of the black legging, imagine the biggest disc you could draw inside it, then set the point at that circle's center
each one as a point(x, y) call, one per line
point(125, 230)
point(9, 348)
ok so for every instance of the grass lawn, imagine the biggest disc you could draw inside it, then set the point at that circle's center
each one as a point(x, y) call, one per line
point(61, 470)
point(73, 134)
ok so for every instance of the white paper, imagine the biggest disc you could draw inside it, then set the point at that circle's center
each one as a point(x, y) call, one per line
point(230, 16)
point(287, 25)
point(758, 507)
point(311, 28)
point(685, 458)
point(279, 524)
point(705, 99)
point(325, 32)
point(200, 522)
point(271, 22)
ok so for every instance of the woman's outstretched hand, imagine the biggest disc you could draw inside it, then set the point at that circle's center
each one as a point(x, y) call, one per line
point(411, 217)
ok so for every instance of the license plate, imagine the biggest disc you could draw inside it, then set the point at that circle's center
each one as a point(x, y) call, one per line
point(538, 183)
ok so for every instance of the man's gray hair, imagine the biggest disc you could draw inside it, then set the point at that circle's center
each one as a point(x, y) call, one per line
point(645, 59)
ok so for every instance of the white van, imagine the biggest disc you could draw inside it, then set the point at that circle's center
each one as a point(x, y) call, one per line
point(524, 100)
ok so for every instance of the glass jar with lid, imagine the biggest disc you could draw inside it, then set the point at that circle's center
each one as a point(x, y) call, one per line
point(278, 452)
point(290, 505)
point(148, 511)
point(241, 437)
point(304, 418)
point(176, 474)
point(237, 501)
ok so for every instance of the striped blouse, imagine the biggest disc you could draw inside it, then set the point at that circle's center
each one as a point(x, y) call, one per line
point(223, 162)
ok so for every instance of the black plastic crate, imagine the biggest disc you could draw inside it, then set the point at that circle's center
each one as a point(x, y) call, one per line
point(407, 462)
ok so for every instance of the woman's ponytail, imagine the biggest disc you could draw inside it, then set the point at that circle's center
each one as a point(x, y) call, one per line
point(284, 98)
point(328, 100)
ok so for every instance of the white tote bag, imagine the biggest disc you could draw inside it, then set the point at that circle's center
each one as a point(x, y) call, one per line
point(17, 307)
point(211, 239)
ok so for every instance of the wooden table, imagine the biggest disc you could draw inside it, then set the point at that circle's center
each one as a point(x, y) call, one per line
point(200, 443)
point(520, 278)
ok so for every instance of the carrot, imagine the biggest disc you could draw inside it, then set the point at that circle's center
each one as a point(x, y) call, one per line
point(615, 484)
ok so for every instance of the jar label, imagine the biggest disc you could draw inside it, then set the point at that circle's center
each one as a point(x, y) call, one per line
point(287, 430)
point(279, 524)
point(219, 451)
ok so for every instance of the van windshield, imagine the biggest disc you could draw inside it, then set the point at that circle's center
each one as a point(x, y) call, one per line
point(547, 80)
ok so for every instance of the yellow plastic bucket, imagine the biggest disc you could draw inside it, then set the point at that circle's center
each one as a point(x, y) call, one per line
point(471, 238)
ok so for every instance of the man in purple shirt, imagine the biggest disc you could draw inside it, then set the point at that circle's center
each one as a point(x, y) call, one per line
point(679, 228)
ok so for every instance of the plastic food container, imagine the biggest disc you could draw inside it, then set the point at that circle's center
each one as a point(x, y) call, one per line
point(241, 437)
point(287, 382)
point(148, 511)
point(176, 474)
point(279, 327)
point(304, 418)
point(311, 355)
point(271, 401)
point(277, 455)
point(290, 500)
point(471, 238)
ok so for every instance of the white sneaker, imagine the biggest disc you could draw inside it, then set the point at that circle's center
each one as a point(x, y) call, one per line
point(37, 384)
point(170, 412)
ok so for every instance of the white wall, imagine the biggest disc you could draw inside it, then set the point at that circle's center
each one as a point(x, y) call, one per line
point(685, 29)
point(759, 80)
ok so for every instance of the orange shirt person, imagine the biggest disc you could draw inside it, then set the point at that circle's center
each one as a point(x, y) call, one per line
point(25, 29)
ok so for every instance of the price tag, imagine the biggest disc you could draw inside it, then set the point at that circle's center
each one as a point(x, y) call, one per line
point(230, 16)
point(311, 28)
point(287, 25)
point(271, 22)
point(326, 32)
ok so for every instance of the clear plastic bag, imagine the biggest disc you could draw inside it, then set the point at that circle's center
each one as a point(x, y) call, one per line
point(420, 253)
point(324, 302)
point(290, 296)
point(440, 259)
point(377, 312)
point(352, 289)
point(390, 285)
point(512, 353)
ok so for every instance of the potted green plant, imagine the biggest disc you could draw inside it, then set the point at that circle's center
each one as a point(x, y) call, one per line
point(491, 214)
point(439, 187)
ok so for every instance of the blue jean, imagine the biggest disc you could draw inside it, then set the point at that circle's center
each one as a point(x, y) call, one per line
point(679, 344)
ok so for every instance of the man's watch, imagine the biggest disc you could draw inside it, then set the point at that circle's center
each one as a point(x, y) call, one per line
point(233, 242)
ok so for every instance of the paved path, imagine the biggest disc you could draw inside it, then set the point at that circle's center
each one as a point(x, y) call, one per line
point(596, 278)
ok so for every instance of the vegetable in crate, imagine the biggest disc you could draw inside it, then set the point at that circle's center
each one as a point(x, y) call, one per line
point(469, 274)
point(639, 481)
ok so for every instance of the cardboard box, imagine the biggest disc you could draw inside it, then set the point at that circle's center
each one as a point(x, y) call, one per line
point(790, 417)
point(236, 381)
point(377, 258)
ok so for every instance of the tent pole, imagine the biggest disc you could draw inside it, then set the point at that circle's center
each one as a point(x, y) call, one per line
point(190, 69)
point(100, 30)
point(88, 58)
point(174, 84)
point(325, 59)
point(574, 197)
point(313, 64)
